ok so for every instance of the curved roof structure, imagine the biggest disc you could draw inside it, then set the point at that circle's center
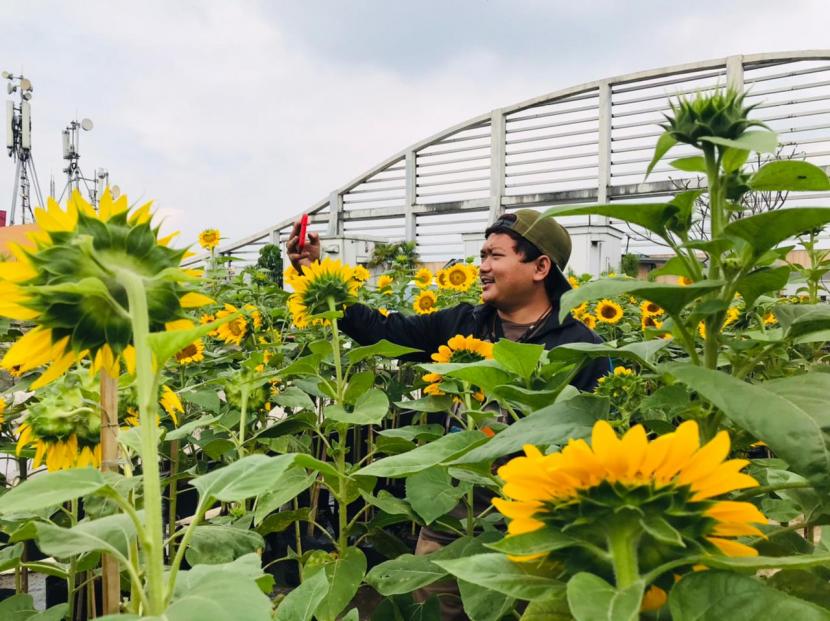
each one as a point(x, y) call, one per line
point(587, 143)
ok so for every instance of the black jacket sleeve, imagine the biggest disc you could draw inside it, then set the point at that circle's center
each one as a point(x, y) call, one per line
point(425, 332)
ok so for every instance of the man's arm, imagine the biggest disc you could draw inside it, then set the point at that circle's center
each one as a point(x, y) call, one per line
point(310, 251)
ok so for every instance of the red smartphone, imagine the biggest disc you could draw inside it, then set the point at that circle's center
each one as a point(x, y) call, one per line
point(303, 227)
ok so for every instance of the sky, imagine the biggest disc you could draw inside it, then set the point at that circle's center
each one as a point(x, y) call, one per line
point(239, 114)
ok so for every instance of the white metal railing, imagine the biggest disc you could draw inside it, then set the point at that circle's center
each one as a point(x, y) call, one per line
point(587, 143)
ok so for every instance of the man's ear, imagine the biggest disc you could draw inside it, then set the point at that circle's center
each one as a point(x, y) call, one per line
point(543, 267)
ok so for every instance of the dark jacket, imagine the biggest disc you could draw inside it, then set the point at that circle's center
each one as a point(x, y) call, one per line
point(429, 332)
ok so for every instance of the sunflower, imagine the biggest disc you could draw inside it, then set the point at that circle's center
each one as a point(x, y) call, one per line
point(2, 409)
point(650, 309)
point(623, 371)
point(648, 321)
point(461, 349)
point(195, 352)
point(254, 315)
point(615, 479)
point(171, 403)
point(209, 239)
point(580, 310)
point(608, 311)
point(384, 282)
point(67, 283)
point(573, 281)
point(732, 315)
point(684, 281)
point(769, 319)
point(231, 332)
point(384, 311)
point(425, 303)
point(441, 279)
point(423, 278)
point(460, 277)
point(589, 320)
point(65, 428)
point(290, 275)
point(321, 283)
point(361, 274)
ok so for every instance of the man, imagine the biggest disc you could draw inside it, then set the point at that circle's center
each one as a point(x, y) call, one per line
point(522, 281)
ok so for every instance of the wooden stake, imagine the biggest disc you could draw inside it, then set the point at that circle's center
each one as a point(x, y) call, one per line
point(110, 574)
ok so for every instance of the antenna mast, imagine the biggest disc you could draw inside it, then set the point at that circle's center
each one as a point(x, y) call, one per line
point(19, 146)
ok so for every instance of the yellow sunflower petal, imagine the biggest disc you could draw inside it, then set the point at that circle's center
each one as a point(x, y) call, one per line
point(31, 350)
point(55, 370)
point(193, 300)
point(733, 548)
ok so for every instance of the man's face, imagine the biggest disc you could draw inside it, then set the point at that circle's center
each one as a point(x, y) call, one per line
point(506, 281)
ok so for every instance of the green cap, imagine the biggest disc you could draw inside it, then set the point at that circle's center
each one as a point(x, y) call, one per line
point(545, 233)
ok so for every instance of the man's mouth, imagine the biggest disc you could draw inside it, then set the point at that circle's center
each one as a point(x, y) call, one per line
point(485, 281)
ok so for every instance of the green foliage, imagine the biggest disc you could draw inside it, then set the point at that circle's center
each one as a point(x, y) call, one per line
point(270, 261)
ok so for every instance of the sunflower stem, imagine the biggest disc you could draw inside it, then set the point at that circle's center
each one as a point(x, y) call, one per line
point(243, 418)
point(340, 458)
point(146, 381)
point(622, 544)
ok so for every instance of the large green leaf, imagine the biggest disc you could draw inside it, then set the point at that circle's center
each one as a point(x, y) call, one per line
point(51, 489)
point(789, 414)
point(483, 604)
point(789, 175)
point(404, 574)
point(18, 607)
point(553, 608)
point(592, 599)
point(247, 477)
point(214, 544)
point(108, 534)
point(641, 352)
point(694, 163)
point(166, 344)
point(763, 280)
point(537, 542)
point(651, 216)
point(520, 358)
point(673, 298)
point(188, 428)
point(766, 230)
point(429, 403)
point(445, 449)
point(358, 384)
point(344, 576)
point(370, 408)
point(300, 603)
point(382, 348)
point(717, 595)
point(486, 374)
point(290, 483)
point(495, 571)
point(431, 493)
point(744, 563)
point(555, 424)
point(665, 142)
point(293, 397)
point(758, 141)
point(10, 556)
point(802, 319)
point(221, 595)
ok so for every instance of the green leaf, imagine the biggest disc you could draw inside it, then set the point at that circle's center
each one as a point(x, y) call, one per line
point(695, 163)
point(10, 556)
point(760, 141)
point(717, 595)
point(592, 599)
point(387, 503)
point(293, 397)
point(734, 159)
point(188, 428)
point(300, 603)
point(247, 477)
point(359, 383)
point(555, 424)
point(278, 522)
point(754, 563)
point(790, 175)
point(445, 449)
point(404, 574)
point(431, 493)
point(430, 403)
point(673, 298)
point(651, 216)
point(665, 142)
point(763, 280)
point(764, 231)
point(293, 424)
point(483, 604)
point(662, 531)
point(526, 399)
point(414, 432)
point(219, 594)
point(18, 607)
point(212, 544)
point(803, 319)
point(207, 399)
point(486, 374)
point(641, 352)
point(324, 467)
point(382, 348)
point(55, 613)
point(108, 534)
point(344, 576)
point(553, 608)
point(51, 489)
point(520, 358)
point(495, 571)
point(289, 484)
point(307, 365)
point(539, 541)
point(369, 409)
point(789, 414)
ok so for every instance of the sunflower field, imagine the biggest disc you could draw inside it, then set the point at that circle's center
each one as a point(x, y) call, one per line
point(205, 444)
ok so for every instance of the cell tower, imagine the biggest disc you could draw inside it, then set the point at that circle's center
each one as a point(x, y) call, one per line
point(19, 145)
point(74, 176)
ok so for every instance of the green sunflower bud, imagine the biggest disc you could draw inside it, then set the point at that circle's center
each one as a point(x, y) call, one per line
point(721, 114)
